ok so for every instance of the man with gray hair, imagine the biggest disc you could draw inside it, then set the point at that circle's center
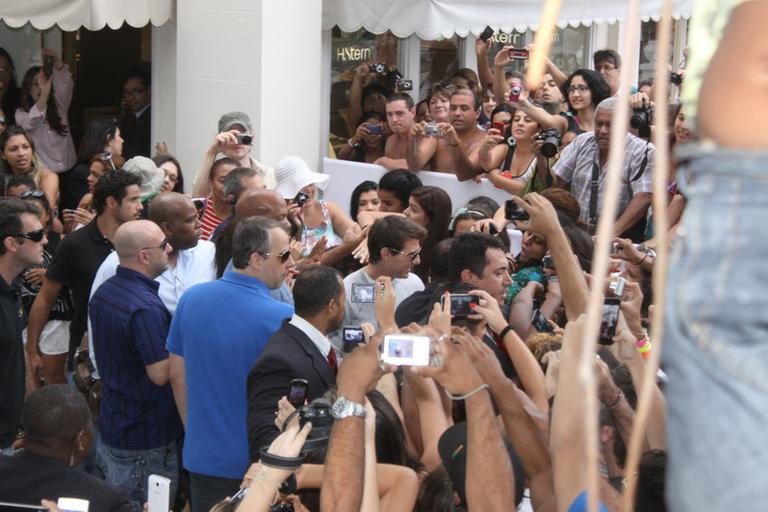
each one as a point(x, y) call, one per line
point(218, 332)
point(583, 166)
point(138, 422)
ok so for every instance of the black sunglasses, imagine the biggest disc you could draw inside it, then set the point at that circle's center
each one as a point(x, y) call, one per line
point(35, 236)
point(34, 194)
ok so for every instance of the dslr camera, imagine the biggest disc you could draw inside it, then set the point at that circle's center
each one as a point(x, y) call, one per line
point(551, 138)
point(641, 121)
point(317, 412)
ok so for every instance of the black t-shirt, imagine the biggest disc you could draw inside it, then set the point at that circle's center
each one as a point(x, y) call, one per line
point(28, 478)
point(11, 362)
point(75, 262)
point(76, 187)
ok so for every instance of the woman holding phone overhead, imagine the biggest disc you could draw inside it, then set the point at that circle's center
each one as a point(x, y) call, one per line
point(46, 93)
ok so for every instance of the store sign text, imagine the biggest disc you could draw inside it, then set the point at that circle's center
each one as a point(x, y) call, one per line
point(349, 53)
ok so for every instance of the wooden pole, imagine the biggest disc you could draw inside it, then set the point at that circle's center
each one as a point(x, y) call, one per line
point(543, 42)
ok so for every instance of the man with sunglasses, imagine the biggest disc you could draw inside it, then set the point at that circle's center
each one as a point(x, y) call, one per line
point(394, 246)
point(21, 245)
point(217, 334)
point(138, 422)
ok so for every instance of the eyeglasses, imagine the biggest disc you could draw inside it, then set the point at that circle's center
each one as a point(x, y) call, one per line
point(32, 194)
point(413, 255)
point(162, 246)
point(580, 88)
point(35, 236)
point(605, 67)
point(282, 256)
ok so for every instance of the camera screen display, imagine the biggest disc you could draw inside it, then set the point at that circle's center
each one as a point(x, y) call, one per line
point(352, 335)
point(609, 321)
point(362, 292)
point(460, 304)
point(512, 211)
point(297, 392)
point(406, 350)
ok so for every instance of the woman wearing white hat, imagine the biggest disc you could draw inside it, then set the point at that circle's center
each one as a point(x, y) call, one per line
point(300, 187)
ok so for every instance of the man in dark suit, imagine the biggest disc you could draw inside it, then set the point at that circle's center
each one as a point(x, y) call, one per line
point(136, 123)
point(300, 349)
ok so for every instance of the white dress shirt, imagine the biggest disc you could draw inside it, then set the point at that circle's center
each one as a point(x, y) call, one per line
point(318, 339)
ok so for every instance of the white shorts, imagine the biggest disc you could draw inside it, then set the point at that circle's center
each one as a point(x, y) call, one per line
point(54, 340)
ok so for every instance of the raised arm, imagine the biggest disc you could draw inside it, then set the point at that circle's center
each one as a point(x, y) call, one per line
point(541, 116)
point(484, 72)
point(200, 184)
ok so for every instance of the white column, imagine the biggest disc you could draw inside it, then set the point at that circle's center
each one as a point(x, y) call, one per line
point(261, 57)
point(164, 80)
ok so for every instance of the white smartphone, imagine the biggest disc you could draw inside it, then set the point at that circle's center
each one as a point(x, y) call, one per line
point(406, 350)
point(159, 493)
point(72, 505)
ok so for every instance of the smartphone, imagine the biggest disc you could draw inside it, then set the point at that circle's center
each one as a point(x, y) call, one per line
point(548, 262)
point(48, 65)
point(539, 322)
point(486, 35)
point(159, 493)
point(297, 392)
point(7, 506)
point(199, 203)
point(512, 211)
point(362, 293)
point(460, 303)
point(609, 321)
point(499, 126)
point(78, 505)
point(375, 129)
point(235, 500)
point(406, 350)
point(617, 287)
point(518, 54)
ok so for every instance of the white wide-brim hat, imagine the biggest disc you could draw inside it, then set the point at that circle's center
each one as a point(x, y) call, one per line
point(152, 177)
point(293, 174)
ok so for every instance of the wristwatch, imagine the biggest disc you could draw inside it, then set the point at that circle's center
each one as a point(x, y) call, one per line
point(343, 408)
point(349, 141)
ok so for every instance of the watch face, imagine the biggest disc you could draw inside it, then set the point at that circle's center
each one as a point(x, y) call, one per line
point(341, 408)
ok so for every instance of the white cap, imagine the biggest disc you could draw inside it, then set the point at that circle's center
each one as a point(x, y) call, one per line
point(293, 174)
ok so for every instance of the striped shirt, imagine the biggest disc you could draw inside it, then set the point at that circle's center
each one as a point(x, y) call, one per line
point(129, 328)
point(209, 221)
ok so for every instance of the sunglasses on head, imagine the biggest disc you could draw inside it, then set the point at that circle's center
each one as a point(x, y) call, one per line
point(35, 236)
point(107, 157)
point(32, 194)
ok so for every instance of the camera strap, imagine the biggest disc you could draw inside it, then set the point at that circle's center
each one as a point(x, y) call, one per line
point(510, 155)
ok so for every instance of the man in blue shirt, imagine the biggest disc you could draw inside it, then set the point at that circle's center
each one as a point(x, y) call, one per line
point(138, 422)
point(217, 334)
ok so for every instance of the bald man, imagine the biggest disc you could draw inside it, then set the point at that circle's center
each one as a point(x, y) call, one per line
point(254, 201)
point(138, 422)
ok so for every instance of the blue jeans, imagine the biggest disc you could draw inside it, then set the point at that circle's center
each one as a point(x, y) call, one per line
point(716, 337)
point(130, 469)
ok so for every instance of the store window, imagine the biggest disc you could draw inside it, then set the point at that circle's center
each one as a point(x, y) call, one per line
point(501, 39)
point(438, 60)
point(570, 49)
point(648, 48)
point(350, 51)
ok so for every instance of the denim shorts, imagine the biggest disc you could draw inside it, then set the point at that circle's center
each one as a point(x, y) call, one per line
point(130, 469)
point(716, 336)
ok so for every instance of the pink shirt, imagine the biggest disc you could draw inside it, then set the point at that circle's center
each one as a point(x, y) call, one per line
point(56, 152)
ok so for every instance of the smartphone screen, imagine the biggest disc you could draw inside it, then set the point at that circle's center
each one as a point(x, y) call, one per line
point(297, 392)
point(512, 211)
point(406, 350)
point(362, 293)
point(460, 304)
point(609, 321)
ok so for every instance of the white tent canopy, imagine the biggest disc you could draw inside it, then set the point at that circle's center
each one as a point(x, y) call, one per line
point(91, 14)
point(432, 19)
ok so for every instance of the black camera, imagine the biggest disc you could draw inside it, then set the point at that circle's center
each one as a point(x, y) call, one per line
point(512, 211)
point(301, 198)
point(551, 138)
point(379, 68)
point(405, 85)
point(244, 139)
point(676, 79)
point(282, 507)
point(317, 412)
point(641, 121)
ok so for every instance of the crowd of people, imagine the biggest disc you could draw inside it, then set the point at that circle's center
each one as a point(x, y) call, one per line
point(259, 347)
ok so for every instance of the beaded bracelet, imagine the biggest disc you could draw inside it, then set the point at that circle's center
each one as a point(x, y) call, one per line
point(644, 346)
point(464, 397)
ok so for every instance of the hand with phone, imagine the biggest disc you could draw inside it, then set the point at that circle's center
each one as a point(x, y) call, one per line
point(541, 213)
point(456, 374)
point(488, 309)
point(631, 306)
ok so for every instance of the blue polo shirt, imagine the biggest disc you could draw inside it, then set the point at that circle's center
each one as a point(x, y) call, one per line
point(129, 326)
point(220, 329)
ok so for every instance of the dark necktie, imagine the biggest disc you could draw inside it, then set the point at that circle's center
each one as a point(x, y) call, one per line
point(332, 361)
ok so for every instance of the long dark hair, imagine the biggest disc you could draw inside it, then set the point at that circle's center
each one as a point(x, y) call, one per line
point(96, 136)
point(596, 83)
point(161, 159)
point(436, 204)
point(11, 97)
point(362, 188)
point(52, 116)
